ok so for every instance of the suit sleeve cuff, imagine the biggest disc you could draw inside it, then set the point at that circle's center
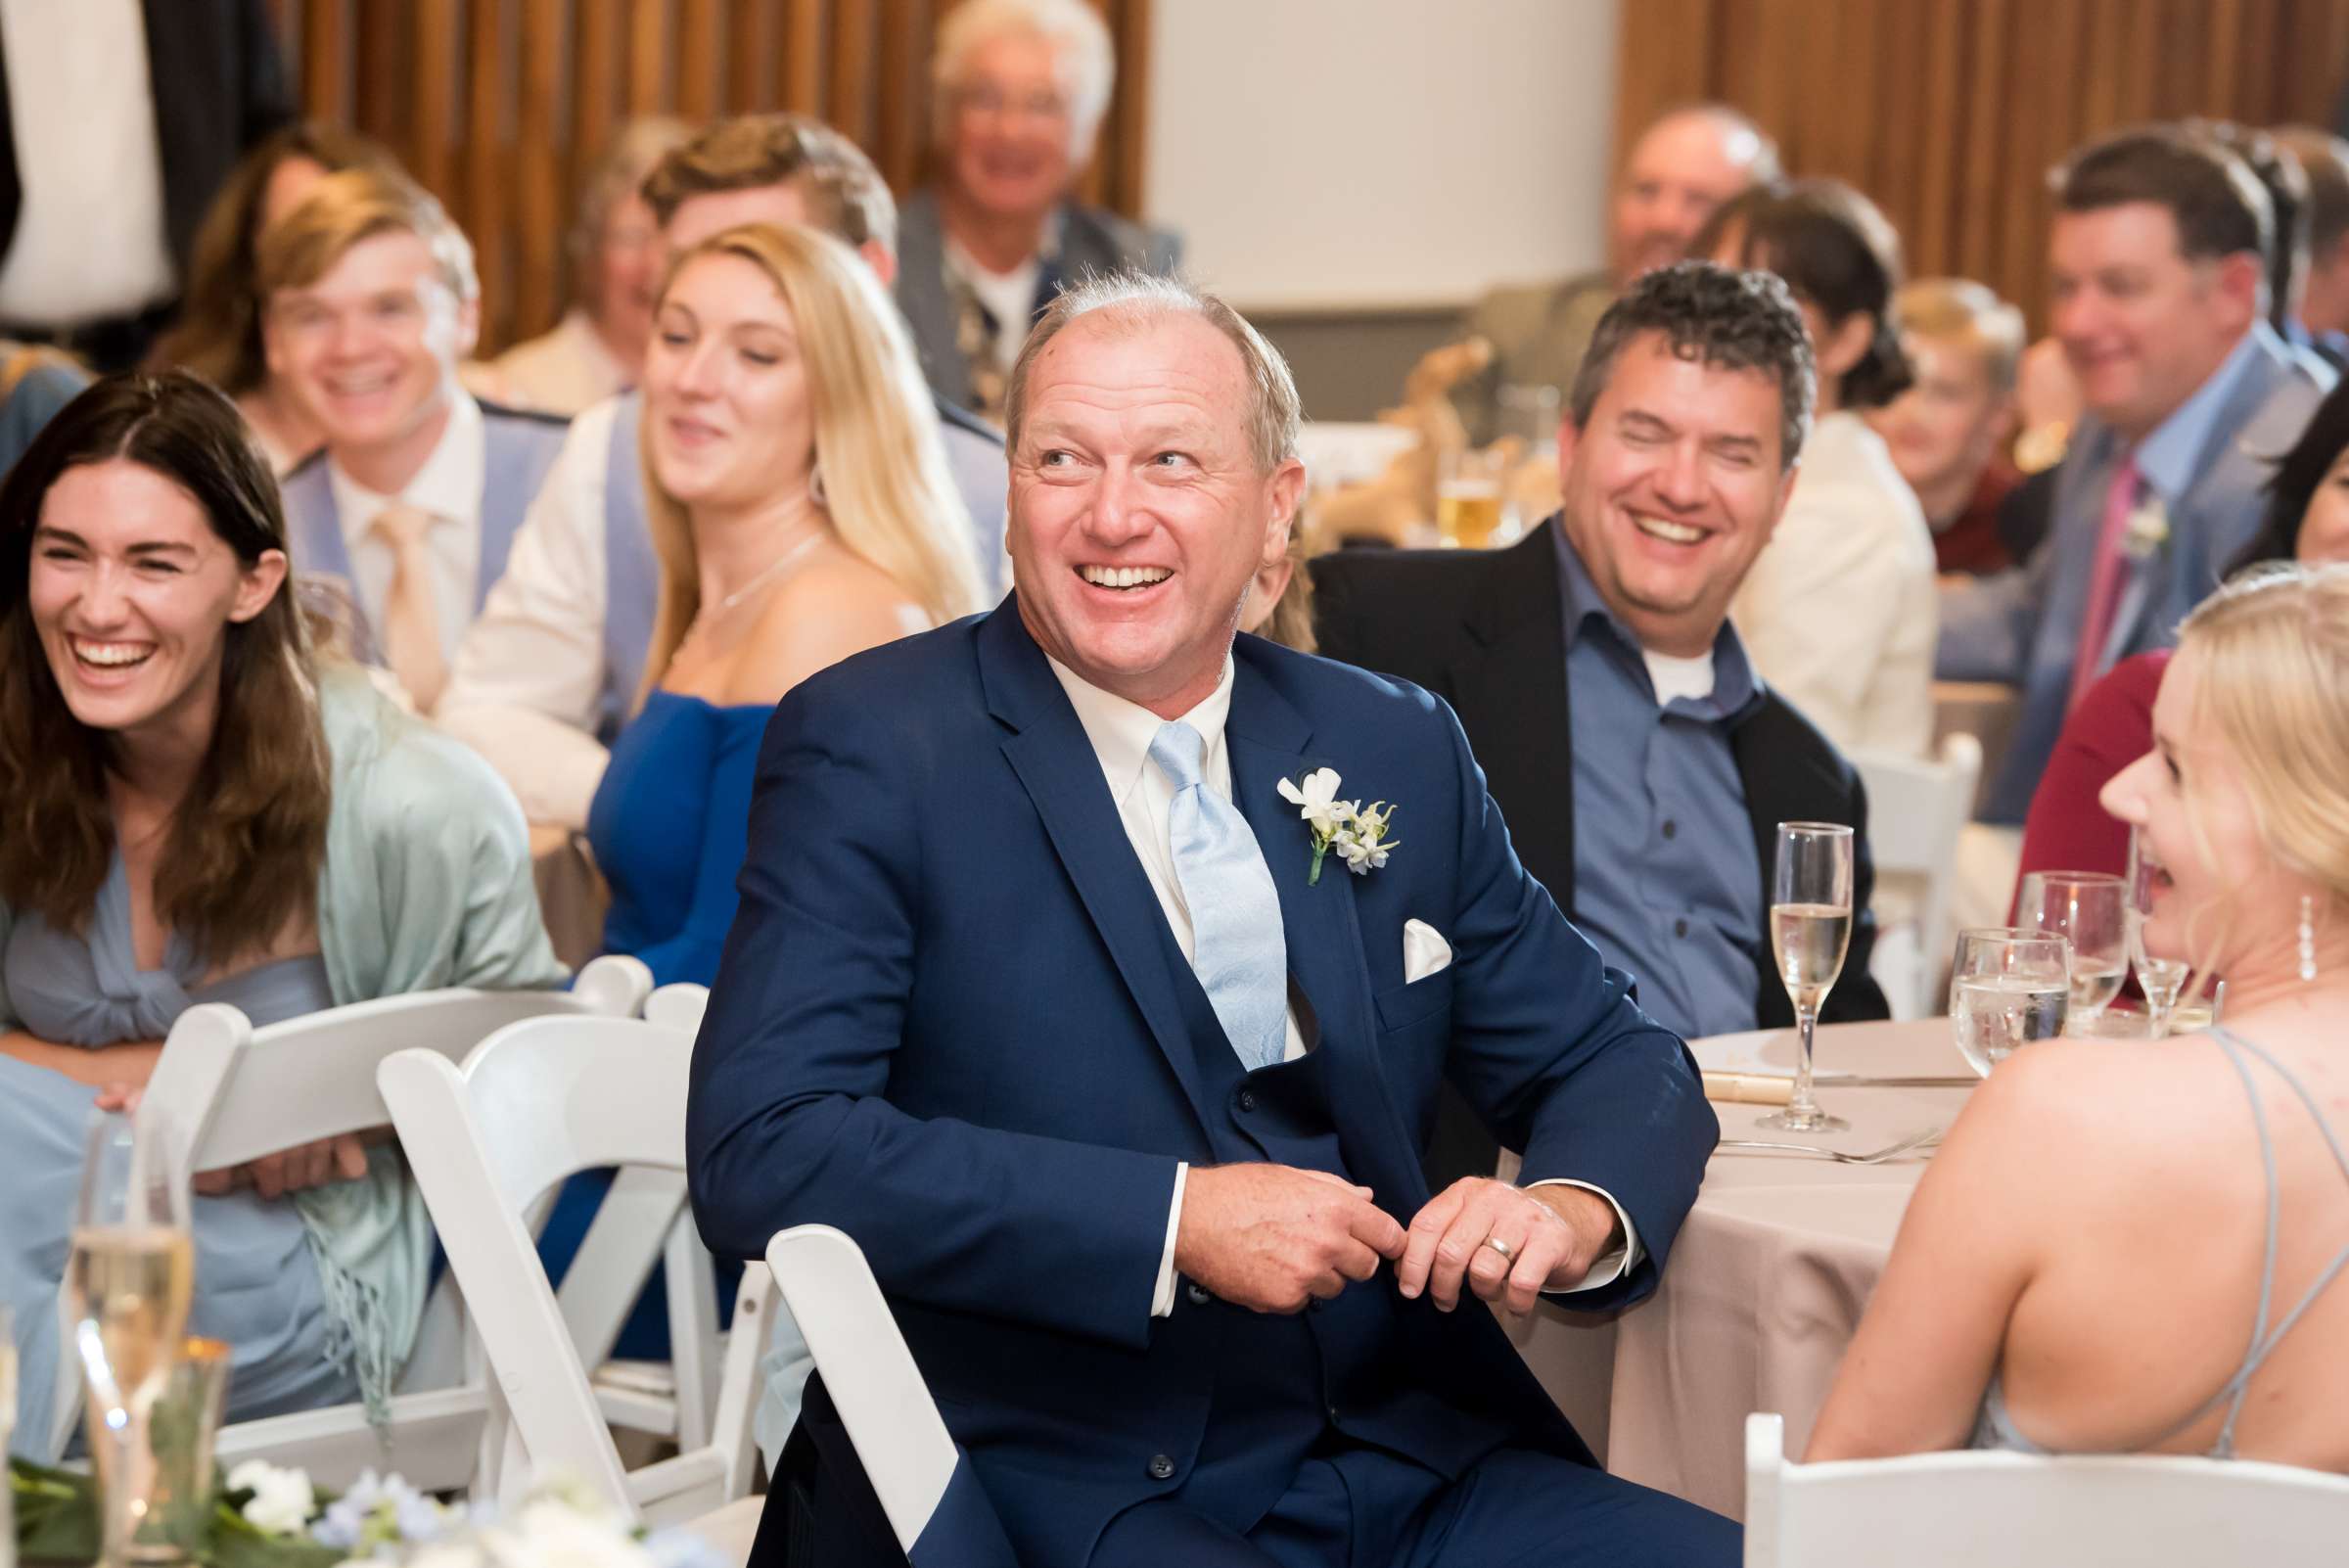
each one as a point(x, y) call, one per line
point(1161, 1299)
point(1605, 1269)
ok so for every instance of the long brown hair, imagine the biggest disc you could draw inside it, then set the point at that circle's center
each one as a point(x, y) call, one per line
point(219, 332)
point(887, 488)
point(245, 845)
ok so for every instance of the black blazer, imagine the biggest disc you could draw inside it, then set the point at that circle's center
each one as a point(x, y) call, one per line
point(219, 87)
point(1485, 632)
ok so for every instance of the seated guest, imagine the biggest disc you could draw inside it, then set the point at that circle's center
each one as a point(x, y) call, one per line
point(1101, 1171)
point(1947, 434)
point(802, 511)
point(35, 381)
point(1642, 767)
point(218, 334)
point(597, 350)
point(203, 809)
point(1837, 613)
point(1018, 91)
point(1682, 167)
point(558, 657)
point(1281, 601)
point(2108, 1254)
point(2308, 522)
point(414, 499)
point(2322, 322)
point(2159, 254)
point(2279, 174)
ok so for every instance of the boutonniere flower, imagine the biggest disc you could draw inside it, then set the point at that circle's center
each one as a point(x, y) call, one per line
point(2147, 530)
point(1359, 835)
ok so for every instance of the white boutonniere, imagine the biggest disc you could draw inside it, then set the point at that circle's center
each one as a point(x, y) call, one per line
point(1358, 833)
point(2147, 529)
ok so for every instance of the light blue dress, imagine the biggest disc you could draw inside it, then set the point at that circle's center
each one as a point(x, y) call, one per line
point(427, 883)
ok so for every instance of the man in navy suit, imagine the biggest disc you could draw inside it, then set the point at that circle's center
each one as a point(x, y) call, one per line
point(1039, 989)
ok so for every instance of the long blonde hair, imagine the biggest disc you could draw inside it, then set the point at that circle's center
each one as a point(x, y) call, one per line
point(2272, 654)
point(887, 488)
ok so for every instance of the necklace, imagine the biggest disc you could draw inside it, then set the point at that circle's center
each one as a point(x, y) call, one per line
point(765, 576)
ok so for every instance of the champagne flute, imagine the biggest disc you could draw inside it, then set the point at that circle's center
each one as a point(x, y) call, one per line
point(2160, 979)
point(2007, 987)
point(1810, 929)
point(129, 1277)
point(2088, 908)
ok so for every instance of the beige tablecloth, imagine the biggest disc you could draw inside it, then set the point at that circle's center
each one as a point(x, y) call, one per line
point(1767, 1278)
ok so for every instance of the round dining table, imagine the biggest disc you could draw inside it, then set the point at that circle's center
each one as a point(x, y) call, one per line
point(1769, 1274)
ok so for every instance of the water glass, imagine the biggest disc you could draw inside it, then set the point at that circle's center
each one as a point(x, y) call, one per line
point(2090, 909)
point(2007, 987)
point(2160, 978)
point(1810, 929)
point(181, 1429)
point(1530, 413)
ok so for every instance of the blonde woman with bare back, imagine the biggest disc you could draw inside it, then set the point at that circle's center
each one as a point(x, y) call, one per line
point(2136, 1248)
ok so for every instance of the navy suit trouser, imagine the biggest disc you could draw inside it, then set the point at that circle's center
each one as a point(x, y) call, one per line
point(1360, 1508)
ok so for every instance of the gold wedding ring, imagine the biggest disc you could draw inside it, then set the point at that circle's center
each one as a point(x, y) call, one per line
point(1502, 1247)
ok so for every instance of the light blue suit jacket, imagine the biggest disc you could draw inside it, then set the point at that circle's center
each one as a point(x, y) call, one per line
point(2023, 625)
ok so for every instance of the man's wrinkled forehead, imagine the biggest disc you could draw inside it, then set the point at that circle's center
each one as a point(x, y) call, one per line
point(1142, 359)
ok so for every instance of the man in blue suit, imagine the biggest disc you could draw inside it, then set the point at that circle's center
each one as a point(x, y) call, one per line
point(1065, 982)
point(2159, 253)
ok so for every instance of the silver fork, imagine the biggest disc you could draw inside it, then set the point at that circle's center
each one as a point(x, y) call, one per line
point(1915, 1141)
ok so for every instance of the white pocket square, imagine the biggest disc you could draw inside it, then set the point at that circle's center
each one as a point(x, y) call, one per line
point(1424, 951)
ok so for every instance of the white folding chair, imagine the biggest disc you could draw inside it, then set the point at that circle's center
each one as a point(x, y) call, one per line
point(1964, 1509)
point(679, 1005)
point(236, 1092)
point(1916, 811)
point(535, 1104)
point(899, 1437)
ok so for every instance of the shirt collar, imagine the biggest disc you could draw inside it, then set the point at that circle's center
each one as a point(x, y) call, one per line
point(1122, 731)
point(447, 485)
point(1737, 688)
point(2166, 458)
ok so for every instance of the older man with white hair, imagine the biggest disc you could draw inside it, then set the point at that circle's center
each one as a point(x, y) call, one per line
point(1078, 977)
point(1019, 89)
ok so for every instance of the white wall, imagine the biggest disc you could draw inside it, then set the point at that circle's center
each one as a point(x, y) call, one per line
point(1364, 152)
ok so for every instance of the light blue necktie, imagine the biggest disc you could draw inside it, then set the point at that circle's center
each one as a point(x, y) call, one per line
point(1238, 951)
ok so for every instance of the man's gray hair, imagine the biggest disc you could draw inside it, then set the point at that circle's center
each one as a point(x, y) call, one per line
point(1273, 413)
point(1085, 56)
point(1722, 318)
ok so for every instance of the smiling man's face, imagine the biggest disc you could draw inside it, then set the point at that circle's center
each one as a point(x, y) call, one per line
point(1140, 514)
point(1672, 488)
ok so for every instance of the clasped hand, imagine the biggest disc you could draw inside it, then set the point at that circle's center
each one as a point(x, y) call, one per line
point(1273, 1238)
point(273, 1176)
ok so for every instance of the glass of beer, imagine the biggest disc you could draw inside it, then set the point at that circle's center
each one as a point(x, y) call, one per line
point(1469, 484)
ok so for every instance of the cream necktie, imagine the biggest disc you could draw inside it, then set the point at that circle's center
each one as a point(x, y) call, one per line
point(411, 629)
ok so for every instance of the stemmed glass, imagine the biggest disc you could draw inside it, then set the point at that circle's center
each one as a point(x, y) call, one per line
point(1810, 928)
point(2160, 979)
point(2007, 987)
point(129, 1277)
point(2088, 908)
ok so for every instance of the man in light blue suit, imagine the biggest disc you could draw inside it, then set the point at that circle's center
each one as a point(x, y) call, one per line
point(1065, 983)
point(2159, 259)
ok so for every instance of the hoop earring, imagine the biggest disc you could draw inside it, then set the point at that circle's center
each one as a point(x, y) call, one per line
point(2308, 939)
point(815, 485)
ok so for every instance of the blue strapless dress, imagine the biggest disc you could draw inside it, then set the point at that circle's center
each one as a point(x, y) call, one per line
point(257, 1286)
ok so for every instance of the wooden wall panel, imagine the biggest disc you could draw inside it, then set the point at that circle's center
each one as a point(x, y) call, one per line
point(1951, 113)
point(502, 105)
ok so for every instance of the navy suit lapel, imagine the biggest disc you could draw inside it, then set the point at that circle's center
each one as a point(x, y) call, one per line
point(1055, 762)
point(1269, 741)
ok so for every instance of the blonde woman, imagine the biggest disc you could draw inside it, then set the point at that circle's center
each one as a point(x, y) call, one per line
point(2125, 1250)
point(801, 510)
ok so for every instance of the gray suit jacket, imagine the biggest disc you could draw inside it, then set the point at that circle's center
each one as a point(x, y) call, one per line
point(1090, 241)
point(2023, 625)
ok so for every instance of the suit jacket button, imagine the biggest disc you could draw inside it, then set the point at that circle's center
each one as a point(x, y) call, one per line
point(1247, 1099)
point(1162, 1468)
point(1199, 1295)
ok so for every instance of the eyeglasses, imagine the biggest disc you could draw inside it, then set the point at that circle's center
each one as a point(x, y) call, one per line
point(986, 98)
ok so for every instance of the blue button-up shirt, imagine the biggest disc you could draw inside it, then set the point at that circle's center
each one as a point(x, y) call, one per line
point(2166, 457)
point(1667, 878)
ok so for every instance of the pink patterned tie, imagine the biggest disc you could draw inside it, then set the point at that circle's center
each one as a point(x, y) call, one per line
point(2104, 583)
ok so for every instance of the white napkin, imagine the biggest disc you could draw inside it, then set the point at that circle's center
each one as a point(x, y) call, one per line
point(1424, 952)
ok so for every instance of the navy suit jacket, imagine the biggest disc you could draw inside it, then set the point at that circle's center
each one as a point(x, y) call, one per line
point(950, 1019)
point(2023, 625)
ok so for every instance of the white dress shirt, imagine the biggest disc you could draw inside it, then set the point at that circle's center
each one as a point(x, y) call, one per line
point(1839, 610)
point(449, 487)
point(1121, 733)
point(89, 241)
point(564, 371)
point(1009, 297)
